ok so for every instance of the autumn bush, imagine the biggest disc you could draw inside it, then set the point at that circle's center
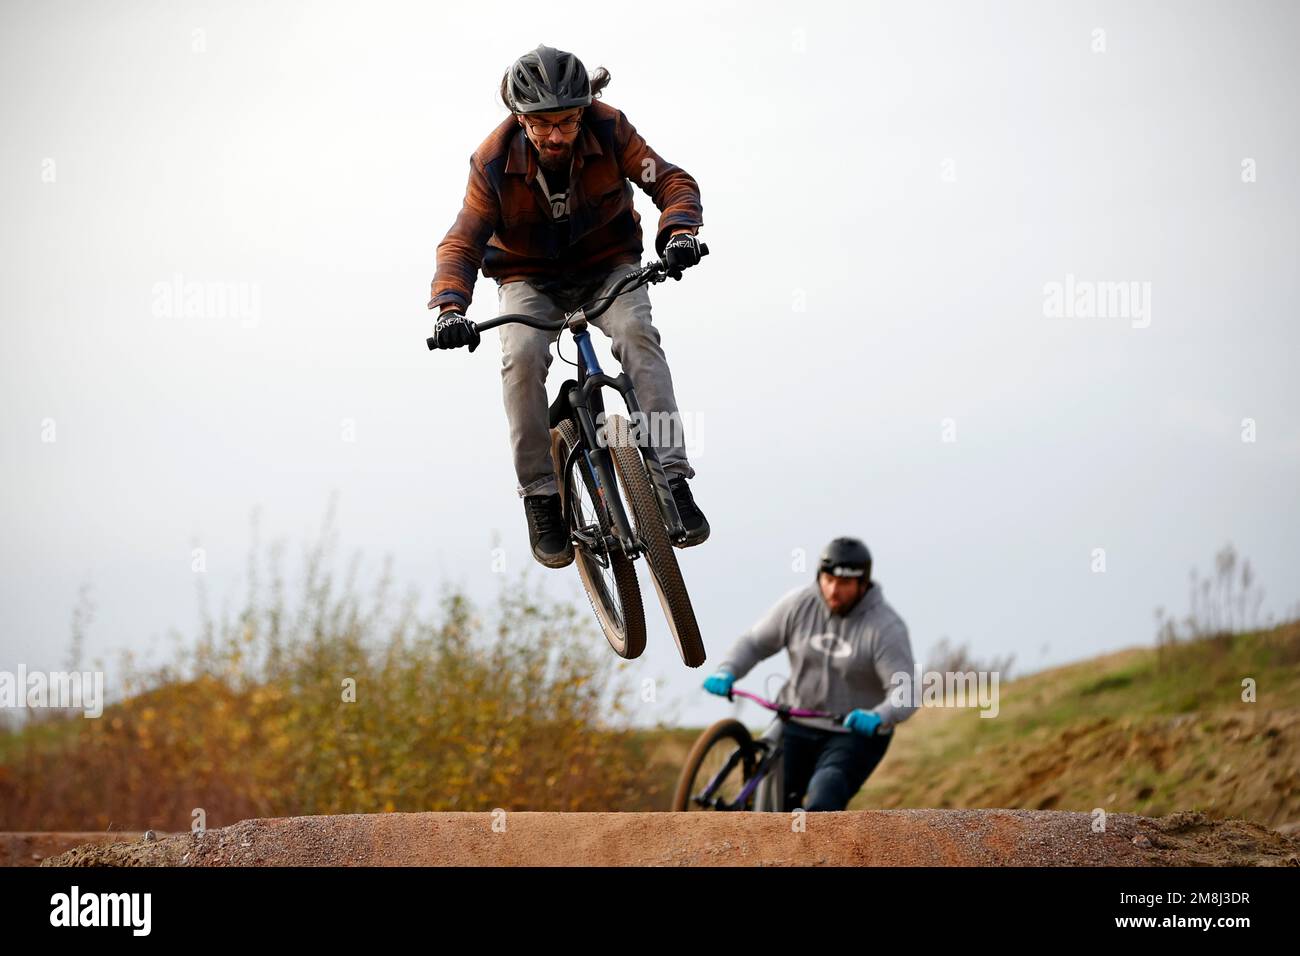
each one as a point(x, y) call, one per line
point(337, 704)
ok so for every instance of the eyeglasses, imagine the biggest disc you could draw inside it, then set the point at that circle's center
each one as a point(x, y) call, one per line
point(544, 129)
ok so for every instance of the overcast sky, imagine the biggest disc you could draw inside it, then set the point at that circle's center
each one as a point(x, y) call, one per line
point(889, 192)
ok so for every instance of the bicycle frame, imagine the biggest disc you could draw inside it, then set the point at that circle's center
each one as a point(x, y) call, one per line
point(771, 754)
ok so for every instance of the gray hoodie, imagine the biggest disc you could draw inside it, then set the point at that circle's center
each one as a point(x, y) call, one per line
point(837, 663)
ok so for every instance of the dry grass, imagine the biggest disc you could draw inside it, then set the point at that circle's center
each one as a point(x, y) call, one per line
point(1143, 731)
point(457, 712)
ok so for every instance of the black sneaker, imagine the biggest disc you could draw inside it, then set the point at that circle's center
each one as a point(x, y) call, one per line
point(547, 533)
point(693, 520)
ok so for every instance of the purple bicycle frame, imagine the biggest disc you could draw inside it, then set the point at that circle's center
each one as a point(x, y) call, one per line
point(748, 790)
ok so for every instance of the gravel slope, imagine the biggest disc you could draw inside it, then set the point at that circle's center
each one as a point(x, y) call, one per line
point(855, 838)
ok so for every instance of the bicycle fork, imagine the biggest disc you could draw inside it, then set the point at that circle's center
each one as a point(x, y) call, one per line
point(581, 399)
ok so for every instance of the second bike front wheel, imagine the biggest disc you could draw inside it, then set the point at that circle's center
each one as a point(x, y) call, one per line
point(699, 786)
point(664, 571)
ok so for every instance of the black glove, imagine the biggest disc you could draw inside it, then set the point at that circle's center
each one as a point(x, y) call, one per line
point(454, 330)
point(682, 251)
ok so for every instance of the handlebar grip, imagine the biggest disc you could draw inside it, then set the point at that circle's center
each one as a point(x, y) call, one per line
point(432, 340)
point(704, 249)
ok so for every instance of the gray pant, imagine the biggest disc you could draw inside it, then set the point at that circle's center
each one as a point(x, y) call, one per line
point(526, 358)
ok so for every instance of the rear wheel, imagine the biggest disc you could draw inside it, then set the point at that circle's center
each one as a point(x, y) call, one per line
point(639, 492)
point(722, 761)
point(609, 578)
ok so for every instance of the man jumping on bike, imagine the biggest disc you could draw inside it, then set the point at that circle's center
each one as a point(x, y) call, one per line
point(548, 214)
point(845, 644)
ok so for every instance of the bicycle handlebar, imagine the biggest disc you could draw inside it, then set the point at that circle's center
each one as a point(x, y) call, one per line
point(780, 709)
point(657, 267)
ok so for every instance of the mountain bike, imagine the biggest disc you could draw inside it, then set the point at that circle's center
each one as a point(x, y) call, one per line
point(595, 453)
point(728, 769)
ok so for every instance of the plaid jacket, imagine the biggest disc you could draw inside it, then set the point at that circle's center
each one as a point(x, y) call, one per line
point(505, 225)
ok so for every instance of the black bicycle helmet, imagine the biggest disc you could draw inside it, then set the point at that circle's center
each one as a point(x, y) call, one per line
point(547, 80)
point(846, 558)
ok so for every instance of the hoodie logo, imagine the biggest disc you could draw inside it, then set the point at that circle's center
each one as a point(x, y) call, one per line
point(831, 644)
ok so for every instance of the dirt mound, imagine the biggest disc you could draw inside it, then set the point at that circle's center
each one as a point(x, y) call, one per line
point(29, 849)
point(854, 838)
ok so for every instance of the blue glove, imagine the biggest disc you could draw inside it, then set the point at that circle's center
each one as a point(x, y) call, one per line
point(862, 722)
point(720, 683)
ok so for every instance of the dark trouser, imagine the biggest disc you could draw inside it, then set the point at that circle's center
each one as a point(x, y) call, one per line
point(829, 767)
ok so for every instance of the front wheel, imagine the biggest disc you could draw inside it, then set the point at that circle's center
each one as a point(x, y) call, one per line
point(664, 572)
point(608, 577)
point(722, 761)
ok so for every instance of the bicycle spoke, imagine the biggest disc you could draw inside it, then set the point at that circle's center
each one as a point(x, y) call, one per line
point(586, 517)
